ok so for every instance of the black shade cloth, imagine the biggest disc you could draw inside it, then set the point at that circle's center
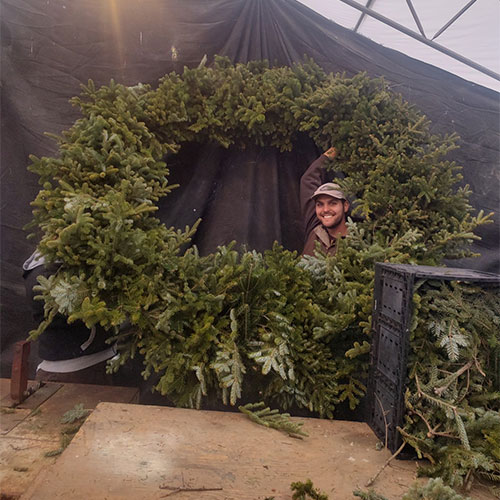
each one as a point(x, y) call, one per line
point(50, 47)
point(249, 196)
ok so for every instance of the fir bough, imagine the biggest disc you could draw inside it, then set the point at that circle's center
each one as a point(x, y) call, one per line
point(434, 489)
point(78, 412)
point(453, 395)
point(75, 416)
point(368, 495)
point(306, 491)
point(262, 415)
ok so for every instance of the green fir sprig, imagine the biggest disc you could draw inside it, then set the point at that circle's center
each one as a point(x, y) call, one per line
point(305, 491)
point(262, 415)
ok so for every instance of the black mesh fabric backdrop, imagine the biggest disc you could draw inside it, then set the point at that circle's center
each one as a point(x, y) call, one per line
point(50, 47)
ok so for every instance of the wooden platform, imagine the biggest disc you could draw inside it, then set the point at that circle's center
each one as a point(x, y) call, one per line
point(33, 428)
point(128, 451)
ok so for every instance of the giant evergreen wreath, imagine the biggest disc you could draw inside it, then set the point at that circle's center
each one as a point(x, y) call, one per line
point(296, 330)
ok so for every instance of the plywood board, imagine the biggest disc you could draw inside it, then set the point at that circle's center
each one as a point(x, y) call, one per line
point(36, 396)
point(131, 451)
point(10, 417)
point(20, 462)
point(45, 424)
point(41, 392)
point(27, 434)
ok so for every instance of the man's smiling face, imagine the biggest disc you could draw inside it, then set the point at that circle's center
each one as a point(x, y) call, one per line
point(330, 211)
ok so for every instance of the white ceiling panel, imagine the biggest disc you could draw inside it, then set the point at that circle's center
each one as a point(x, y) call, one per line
point(475, 35)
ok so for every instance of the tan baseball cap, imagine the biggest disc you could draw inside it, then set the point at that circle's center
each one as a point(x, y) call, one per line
point(330, 189)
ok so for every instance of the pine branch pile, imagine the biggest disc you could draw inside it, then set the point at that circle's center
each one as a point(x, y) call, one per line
point(252, 320)
point(453, 398)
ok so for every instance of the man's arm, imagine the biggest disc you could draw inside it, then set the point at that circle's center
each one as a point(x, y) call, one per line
point(312, 179)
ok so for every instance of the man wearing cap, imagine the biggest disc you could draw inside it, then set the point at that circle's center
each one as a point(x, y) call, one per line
point(324, 207)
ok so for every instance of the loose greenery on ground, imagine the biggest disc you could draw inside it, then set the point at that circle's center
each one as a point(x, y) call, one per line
point(75, 416)
point(305, 491)
point(295, 331)
point(262, 415)
point(434, 489)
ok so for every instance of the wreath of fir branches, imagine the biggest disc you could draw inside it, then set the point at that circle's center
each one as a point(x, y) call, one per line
point(289, 329)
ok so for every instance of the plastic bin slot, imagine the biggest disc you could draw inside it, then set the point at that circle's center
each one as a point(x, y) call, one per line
point(384, 410)
point(393, 295)
point(389, 354)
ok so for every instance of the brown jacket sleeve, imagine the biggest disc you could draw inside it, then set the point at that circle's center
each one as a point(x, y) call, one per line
point(312, 179)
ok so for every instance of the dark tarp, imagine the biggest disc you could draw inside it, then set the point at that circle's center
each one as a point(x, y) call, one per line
point(50, 47)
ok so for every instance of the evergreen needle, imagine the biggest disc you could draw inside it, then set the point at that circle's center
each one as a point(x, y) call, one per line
point(272, 418)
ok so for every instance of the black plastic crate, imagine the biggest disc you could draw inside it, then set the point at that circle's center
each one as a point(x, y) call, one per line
point(391, 320)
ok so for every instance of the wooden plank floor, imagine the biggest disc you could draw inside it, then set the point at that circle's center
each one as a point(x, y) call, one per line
point(33, 428)
point(148, 452)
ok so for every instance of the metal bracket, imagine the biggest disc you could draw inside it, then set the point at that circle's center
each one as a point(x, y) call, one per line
point(423, 39)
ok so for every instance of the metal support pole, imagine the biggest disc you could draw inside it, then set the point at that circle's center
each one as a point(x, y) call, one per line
point(422, 39)
point(454, 18)
point(417, 20)
point(369, 3)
